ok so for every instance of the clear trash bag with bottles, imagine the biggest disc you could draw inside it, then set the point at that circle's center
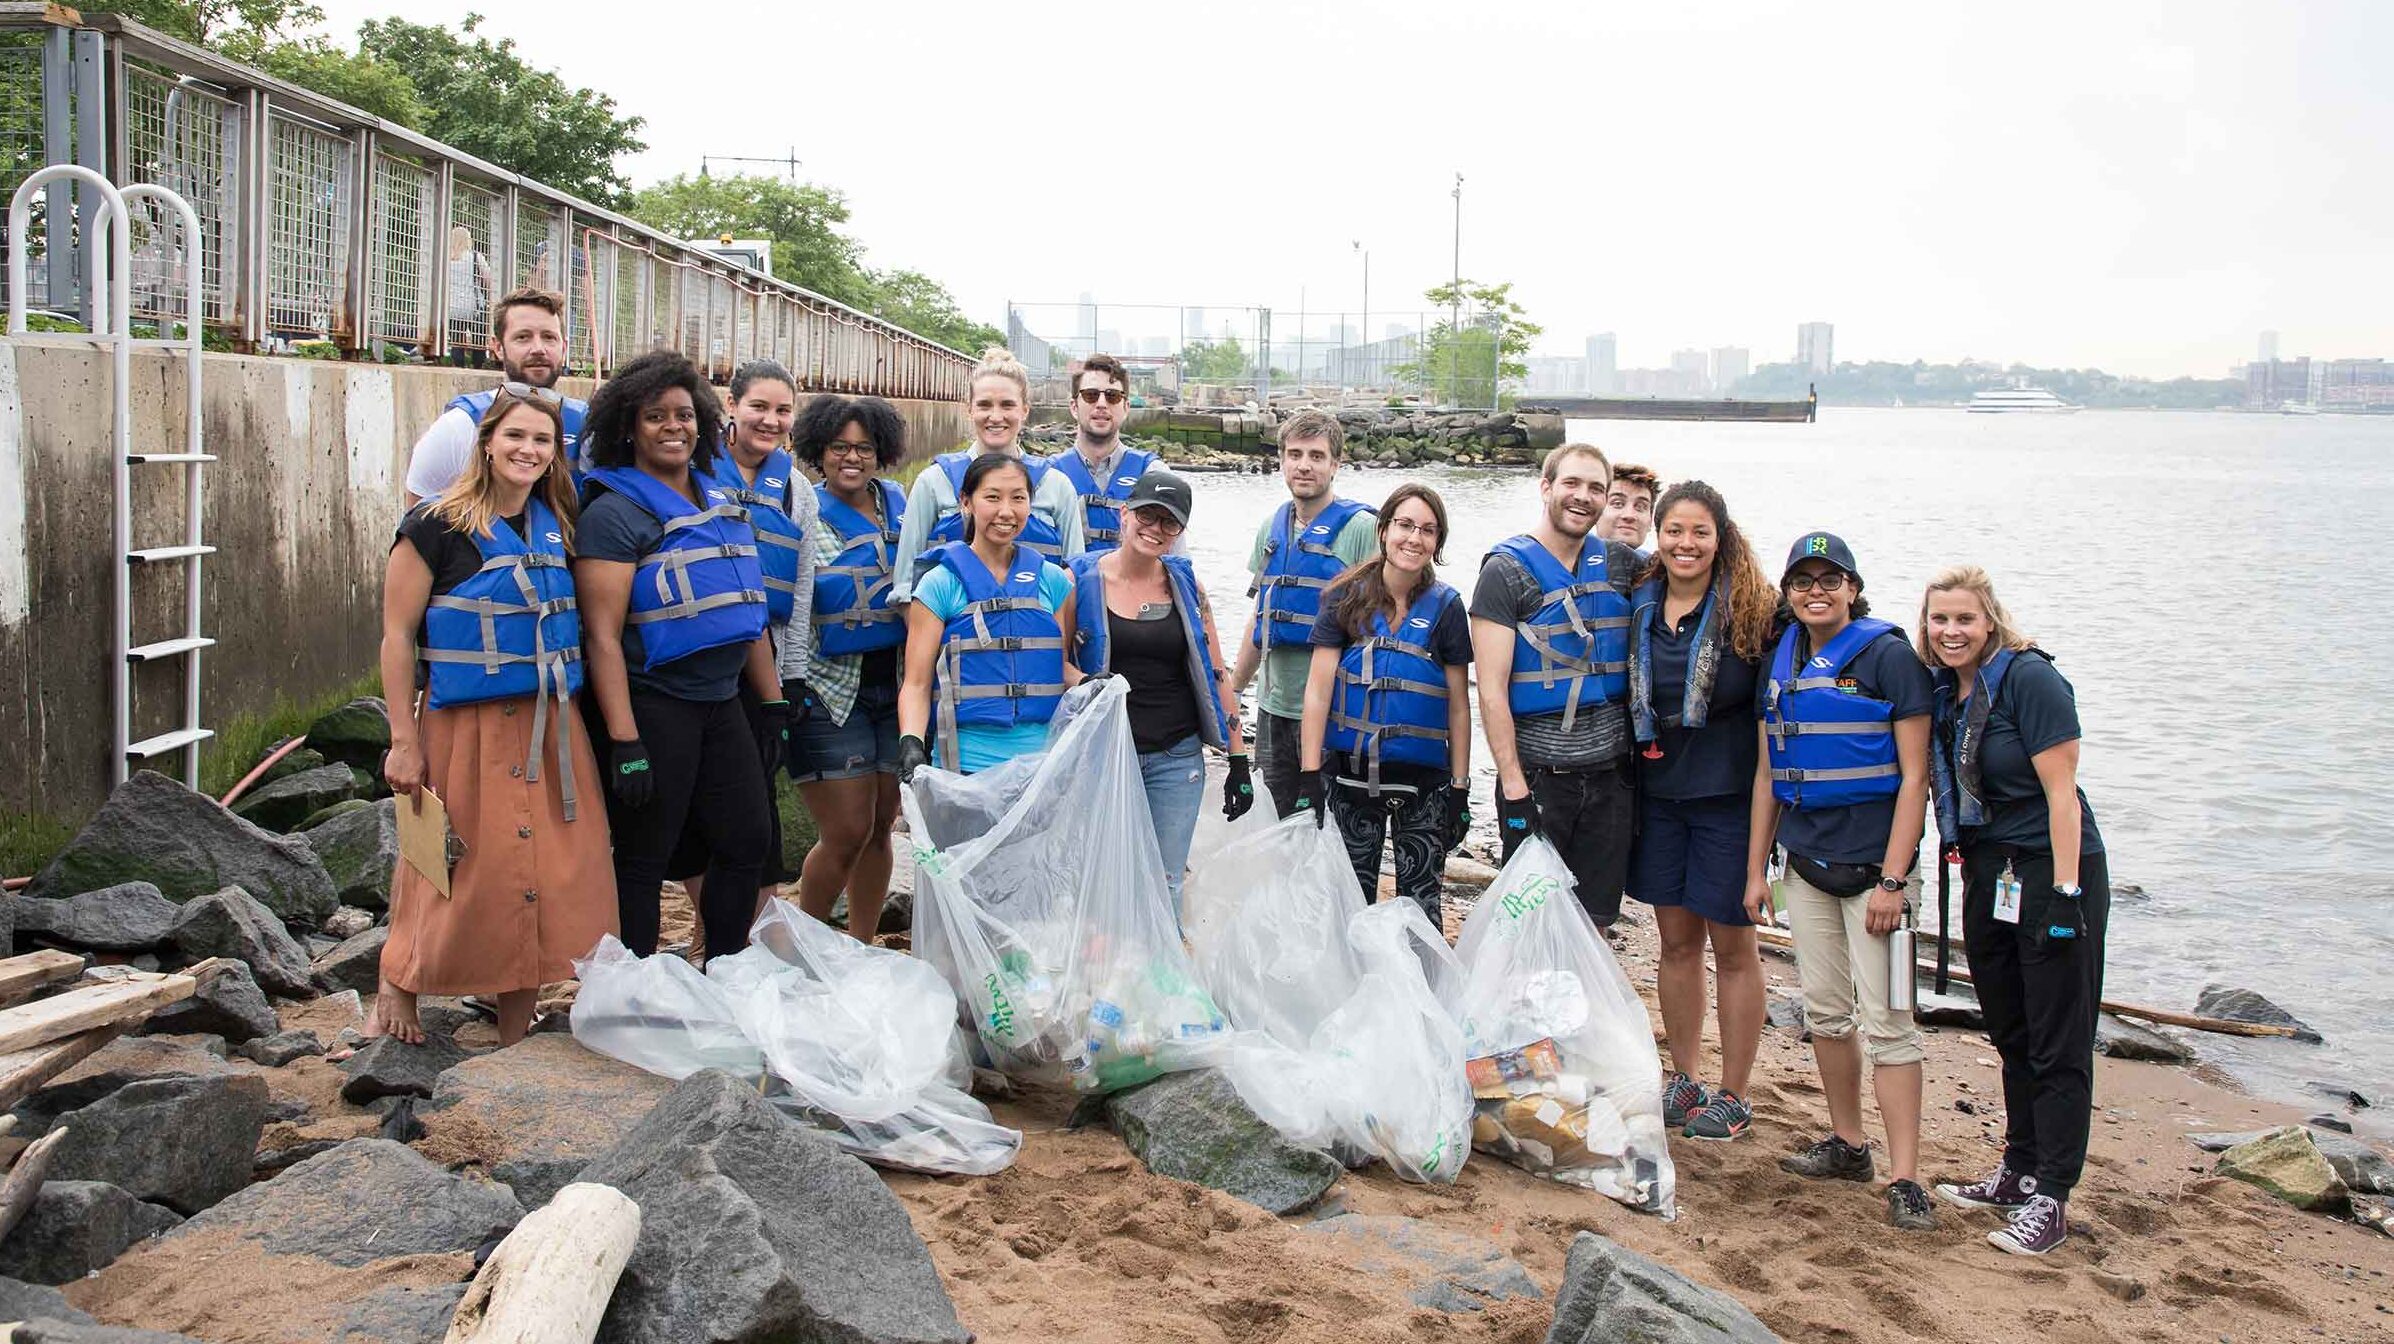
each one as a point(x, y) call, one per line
point(1561, 1052)
point(1040, 897)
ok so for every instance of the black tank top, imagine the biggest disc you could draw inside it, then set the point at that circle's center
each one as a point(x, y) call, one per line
point(1153, 656)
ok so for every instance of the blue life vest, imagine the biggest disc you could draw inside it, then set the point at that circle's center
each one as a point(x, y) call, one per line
point(477, 404)
point(778, 535)
point(701, 588)
point(852, 612)
point(1388, 701)
point(1093, 653)
point(1039, 532)
point(1001, 659)
point(511, 630)
point(1288, 589)
point(1101, 501)
point(1828, 747)
point(1961, 731)
point(1573, 652)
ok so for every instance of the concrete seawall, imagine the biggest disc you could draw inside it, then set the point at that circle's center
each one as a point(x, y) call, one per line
point(301, 507)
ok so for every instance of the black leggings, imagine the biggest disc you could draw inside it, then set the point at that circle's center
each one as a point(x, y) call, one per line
point(1415, 823)
point(2040, 998)
point(704, 763)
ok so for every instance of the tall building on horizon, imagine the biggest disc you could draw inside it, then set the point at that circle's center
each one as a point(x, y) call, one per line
point(1816, 347)
point(1603, 371)
point(1694, 368)
point(2269, 347)
point(1730, 363)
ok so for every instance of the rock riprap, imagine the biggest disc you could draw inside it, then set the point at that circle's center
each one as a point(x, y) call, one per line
point(288, 801)
point(548, 1105)
point(127, 917)
point(75, 1227)
point(1612, 1293)
point(231, 1006)
point(2243, 1005)
point(232, 923)
point(357, 733)
point(359, 846)
point(1193, 1127)
point(1450, 1271)
point(2286, 1163)
point(154, 830)
point(183, 1142)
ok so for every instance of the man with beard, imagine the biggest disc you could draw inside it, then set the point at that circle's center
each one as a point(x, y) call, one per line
point(527, 338)
point(1305, 544)
point(1100, 466)
point(1550, 638)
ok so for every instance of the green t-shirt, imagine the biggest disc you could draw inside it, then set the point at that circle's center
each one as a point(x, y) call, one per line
point(1285, 665)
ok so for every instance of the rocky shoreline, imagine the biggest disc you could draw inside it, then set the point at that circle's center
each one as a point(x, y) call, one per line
point(1388, 437)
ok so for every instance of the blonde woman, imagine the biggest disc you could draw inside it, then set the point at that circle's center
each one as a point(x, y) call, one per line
point(997, 404)
point(478, 614)
point(2036, 893)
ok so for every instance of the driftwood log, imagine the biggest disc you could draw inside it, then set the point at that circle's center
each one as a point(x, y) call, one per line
point(550, 1280)
point(24, 1181)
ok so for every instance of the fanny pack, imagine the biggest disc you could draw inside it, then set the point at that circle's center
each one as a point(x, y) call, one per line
point(1837, 879)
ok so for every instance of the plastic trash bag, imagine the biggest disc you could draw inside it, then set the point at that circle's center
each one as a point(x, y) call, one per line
point(1267, 919)
point(1040, 896)
point(857, 1041)
point(1405, 1096)
point(1562, 1052)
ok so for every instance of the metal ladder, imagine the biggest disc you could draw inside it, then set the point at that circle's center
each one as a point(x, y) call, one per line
point(110, 232)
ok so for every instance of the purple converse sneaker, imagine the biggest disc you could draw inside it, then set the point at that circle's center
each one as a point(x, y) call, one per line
point(1682, 1097)
point(2036, 1227)
point(2005, 1190)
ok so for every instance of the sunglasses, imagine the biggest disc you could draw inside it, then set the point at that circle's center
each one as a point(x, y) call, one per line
point(1111, 396)
point(1805, 583)
point(527, 392)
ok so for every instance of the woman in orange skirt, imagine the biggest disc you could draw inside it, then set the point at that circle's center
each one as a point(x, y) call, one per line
point(478, 615)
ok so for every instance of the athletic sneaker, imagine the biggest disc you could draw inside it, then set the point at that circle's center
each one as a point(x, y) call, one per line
point(1682, 1097)
point(1908, 1207)
point(1830, 1159)
point(1723, 1118)
point(2036, 1227)
point(2005, 1190)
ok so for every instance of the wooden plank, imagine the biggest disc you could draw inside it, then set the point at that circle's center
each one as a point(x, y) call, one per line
point(24, 1072)
point(20, 976)
point(86, 1006)
point(25, 1180)
point(550, 1280)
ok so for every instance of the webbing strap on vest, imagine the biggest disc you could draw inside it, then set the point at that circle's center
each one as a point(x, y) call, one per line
point(952, 690)
point(1559, 664)
point(551, 663)
point(1846, 772)
point(1373, 734)
point(673, 584)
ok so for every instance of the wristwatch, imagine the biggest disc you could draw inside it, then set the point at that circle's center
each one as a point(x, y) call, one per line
point(1890, 884)
point(2064, 889)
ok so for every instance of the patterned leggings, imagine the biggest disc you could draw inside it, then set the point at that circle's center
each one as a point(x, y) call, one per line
point(1415, 823)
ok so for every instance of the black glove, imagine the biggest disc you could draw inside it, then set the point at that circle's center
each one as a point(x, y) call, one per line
point(2065, 920)
point(627, 767)
point(803, 704)
point(772, 734)
point(913, 755)
point(1516, 820)
point(1313, 794)
point(1238, 789)
point(1458, 815)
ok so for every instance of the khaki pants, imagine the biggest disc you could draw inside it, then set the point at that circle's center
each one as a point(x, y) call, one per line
point(1844, 971)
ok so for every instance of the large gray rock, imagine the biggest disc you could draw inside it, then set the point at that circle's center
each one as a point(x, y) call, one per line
point(154, 830)
point(1450, 1271)
point(2286, 1163)
point(231, 1006)
point(1193, 1127)
point(282, 1047)
point(389, 1067)
point(2243, 1005)
point(119, 1062)
point(1613, 1293)
point(294, 798)
point(75, 1227)
point(127, 917)
point(753, 1228)
point(2358, 1165)
point(401, 1315)
point(544, 1108)
point(300, 759)
point(231, 923)
point(2126, 1040)
point(182, 1142)
point(360, 848)
point(356, 963)
point(24, 1301)
point(357, 733)
point(367, 1200)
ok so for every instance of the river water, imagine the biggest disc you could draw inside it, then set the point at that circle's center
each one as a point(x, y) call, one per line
point(2201, 579)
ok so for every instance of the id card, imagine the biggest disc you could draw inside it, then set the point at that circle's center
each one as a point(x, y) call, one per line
point(2007, 897)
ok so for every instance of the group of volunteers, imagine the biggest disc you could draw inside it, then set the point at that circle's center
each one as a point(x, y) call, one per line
point(670, 601)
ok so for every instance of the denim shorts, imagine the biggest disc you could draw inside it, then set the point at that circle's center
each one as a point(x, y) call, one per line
point(866, 744)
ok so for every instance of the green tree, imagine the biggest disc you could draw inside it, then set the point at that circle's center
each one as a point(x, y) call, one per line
point(802, 222)
point(210, 22)
point(1464, 359)
point(353, 78)
point(1222, 361)
point(486, 100)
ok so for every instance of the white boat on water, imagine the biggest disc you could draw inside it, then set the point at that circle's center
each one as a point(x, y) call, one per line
point(2034, 399)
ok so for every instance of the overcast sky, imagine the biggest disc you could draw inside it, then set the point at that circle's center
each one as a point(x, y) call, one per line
point(2142, 187)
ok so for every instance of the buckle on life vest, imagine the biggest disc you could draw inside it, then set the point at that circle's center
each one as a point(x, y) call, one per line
point(1018, 690)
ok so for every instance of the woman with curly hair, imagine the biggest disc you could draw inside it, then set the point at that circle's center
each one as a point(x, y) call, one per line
point(1700, 628)
point(673, 615)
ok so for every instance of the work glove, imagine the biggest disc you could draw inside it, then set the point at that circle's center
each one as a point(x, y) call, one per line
point(1238, 789)
point(772, 734)
point(803, 704)
point(1313, 794)
point(1458, 816)
point(1516, 820)
point(913, 755)
point(627, 768)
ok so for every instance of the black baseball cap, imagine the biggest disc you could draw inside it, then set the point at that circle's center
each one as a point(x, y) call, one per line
point(1160, 489)
point(1820, 546)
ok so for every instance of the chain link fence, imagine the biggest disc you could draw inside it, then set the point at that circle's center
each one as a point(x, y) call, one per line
point(310, 189)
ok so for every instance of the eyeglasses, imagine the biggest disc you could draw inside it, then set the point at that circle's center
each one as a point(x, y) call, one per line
point(1158, 520)
point(840, 449)
point(1408, 527)
point(1111, 396)
point(527, 392)
point(1827, 583)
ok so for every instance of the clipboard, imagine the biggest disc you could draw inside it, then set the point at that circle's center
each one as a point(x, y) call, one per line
point(424, 837)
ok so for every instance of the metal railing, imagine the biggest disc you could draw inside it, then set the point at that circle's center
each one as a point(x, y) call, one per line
point(320, 222)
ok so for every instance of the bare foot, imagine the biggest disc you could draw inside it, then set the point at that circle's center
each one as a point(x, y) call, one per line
point(394, 1015)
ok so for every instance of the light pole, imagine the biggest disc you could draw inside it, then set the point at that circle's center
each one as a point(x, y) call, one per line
point(1454, 313)
point(1367, 301)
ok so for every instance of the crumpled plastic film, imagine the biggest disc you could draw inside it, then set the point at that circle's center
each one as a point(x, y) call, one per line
point(1040, 896)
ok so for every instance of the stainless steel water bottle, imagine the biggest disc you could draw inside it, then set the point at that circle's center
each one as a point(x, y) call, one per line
point(1902, 967)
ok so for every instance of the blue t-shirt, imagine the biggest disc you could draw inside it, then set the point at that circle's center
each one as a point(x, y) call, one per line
point(1886, 669)
point(613, 527)
point(2034, 711)
point(1718, 758)
point(941, 593)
